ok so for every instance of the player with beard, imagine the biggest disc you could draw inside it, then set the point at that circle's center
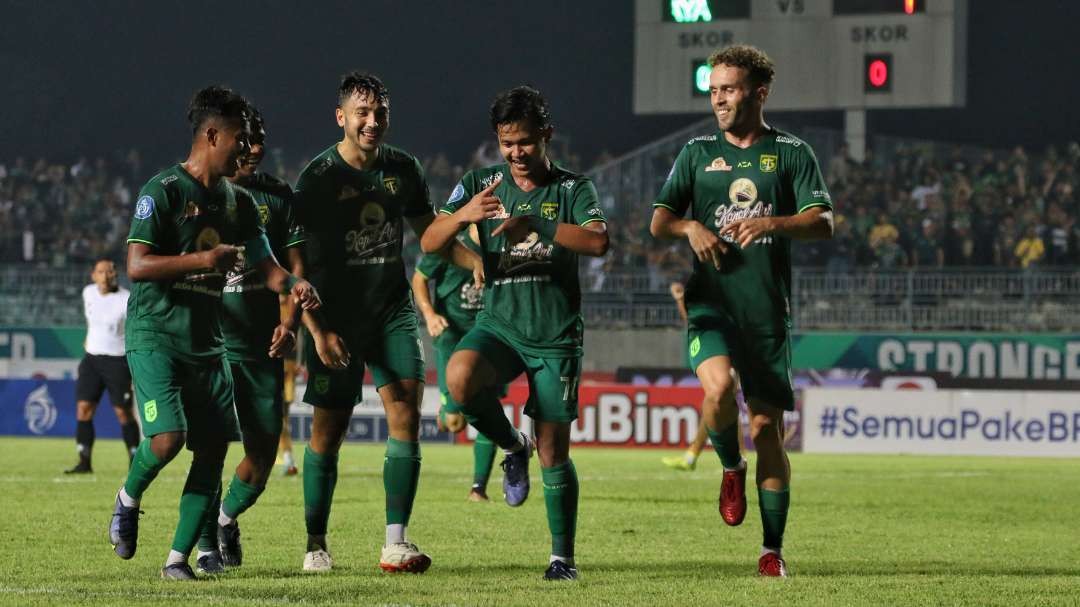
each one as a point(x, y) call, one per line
point(191, 226)
point(353, 199)
point(749, 190)
point(253, 320)
point(534, 219)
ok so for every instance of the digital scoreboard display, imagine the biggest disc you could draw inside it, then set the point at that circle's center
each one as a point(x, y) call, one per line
point(703, 11)
point(878, 7)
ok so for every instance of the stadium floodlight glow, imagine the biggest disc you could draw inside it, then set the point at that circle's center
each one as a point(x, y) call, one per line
point(690, 11)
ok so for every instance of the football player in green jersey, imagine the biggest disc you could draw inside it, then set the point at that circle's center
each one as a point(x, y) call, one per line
point(534, 219)
point(749, 190)
point(191, 226)
point(353, 200)
point(253, 320)
point(448, 318)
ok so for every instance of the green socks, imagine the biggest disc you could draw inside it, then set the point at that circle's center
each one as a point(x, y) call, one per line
point(401, 475)
point(320, 478)
point(485, 413)
point(561, 499)
point(203, 483)
point(144, 469)
point(208, 536)
point(774, 510)
point(240, 497)
point(483, 460)
point(726, 443)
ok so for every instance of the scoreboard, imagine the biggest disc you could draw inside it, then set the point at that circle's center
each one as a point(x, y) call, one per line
point(829, 54)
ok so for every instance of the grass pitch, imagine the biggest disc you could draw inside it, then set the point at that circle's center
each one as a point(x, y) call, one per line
point(863, 530)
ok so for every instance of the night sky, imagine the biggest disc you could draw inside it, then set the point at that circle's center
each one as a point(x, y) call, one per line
point(91, 77)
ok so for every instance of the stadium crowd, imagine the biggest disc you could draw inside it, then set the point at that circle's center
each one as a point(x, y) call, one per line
point(1001, 209)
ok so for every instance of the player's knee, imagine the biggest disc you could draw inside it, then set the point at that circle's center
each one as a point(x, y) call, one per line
point(458, 380)
point(718, 391)
point(455, 422)
point(167, 445)
point(764, 429)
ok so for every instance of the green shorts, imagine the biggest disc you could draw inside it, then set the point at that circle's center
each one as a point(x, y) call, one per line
point(174, 395)
point(763, 362)
point(393, 351)
point(259, 395)
point(443, 351)
point(553, 382)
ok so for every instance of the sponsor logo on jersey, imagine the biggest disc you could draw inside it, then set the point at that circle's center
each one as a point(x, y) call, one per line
point(523, 207)
point(374, 234)
point(324, 164)
point(790, 140)
point(549, 210)
point(144, 207)
point(471, 298)
point(348, 192)
point(701, 138)
point(264, 213)
point(392, 185)
point(594, 212)
point(569, 183)
point(742, 192)
point(490, 179)
point(767, 163)
point(821, 194)
point(457, 194)
point(169, 179)
point(39, 410)
point(528, 252)
point(744, 164)
point(718, 164)
point(501, 212)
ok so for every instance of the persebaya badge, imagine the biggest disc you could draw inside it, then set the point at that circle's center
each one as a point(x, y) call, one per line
point(767, 164)
point(264, 213)
point(549, 210)
point(322, 384)
point(391, 185)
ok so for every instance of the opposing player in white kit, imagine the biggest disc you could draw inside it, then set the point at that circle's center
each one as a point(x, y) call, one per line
point(104, 366)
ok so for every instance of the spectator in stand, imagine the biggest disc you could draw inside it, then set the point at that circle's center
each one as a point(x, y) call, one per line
point(1005, 242)
point(882, 230)
point(888, 254)
point(927, 251)
point(1030, 250)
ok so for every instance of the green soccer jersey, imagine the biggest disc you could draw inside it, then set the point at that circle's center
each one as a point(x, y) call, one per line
point(352, 221)
point(456, 296)
point(720, 183)
point(176, 215)
point(532, 296)
point(252, 311)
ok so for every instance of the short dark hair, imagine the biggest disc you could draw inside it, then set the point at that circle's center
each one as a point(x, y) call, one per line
point(519, 104)
point(214, 102)
point(750, 58)
point(102, 258)
point(255, 122)
point(363, 84)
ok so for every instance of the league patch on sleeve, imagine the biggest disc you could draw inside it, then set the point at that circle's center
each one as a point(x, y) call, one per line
point(144, 207)
point(457, 194)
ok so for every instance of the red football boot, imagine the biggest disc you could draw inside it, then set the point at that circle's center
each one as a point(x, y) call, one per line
point(771, 565)
point(733, 496)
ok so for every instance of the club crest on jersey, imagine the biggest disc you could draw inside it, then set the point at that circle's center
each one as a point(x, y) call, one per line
point(391, 184)
point(322, 384)
point(549, 210)
point(742, 192)
point(348, 192)
point(264, 213)
point(718, 164)
point(144, 207)
point(767, 163)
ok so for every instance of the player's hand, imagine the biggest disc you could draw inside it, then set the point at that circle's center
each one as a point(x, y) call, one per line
point(282, 342)
point(516, 229)
point(331, 350)
point(436, 324)
point(223, 257)
point(706, 244)
point(678, 291)
point(746, 231)
point(484, 205)
point(306, 295)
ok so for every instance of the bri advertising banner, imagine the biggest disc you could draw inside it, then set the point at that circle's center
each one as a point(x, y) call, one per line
point(956, 422)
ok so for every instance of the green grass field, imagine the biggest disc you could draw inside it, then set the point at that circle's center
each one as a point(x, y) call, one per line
point(863, 530)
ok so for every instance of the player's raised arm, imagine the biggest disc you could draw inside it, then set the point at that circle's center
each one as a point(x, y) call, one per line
point(441, 232)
